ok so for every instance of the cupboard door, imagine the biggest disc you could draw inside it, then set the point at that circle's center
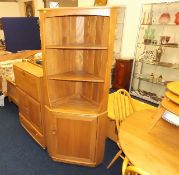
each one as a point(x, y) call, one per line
point(71, 137)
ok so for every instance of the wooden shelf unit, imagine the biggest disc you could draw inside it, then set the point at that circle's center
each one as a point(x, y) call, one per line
point(77, 45)
point(76, 76)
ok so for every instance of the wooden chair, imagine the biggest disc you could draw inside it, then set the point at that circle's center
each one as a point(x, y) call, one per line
point(122, 107)
point(128, 169)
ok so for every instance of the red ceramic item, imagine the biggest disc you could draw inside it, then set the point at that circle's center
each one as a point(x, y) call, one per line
point(177, 18)
point(164, 18)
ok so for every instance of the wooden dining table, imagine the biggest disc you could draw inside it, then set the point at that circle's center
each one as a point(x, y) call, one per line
point(154, 149)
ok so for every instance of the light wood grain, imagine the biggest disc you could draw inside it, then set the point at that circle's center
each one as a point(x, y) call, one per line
point(77, 50)
point(12, 92)
point(75, 46)
point(170, 106)
point(27, 82)
point(75, 104)
point(29, 89)
point(172, 97)
point(77, 144)
point(76, 76)
point(156, 151)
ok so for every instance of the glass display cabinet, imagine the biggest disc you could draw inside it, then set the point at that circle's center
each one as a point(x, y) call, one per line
point(157, 53)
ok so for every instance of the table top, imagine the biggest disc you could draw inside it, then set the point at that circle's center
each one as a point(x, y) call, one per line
point(156, 149)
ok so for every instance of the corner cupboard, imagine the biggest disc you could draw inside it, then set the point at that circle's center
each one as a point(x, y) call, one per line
point(77, 45)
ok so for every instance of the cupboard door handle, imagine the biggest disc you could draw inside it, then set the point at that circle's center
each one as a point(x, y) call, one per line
point(53, 132)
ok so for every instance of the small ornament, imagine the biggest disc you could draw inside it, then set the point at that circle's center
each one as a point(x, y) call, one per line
point(152, 34)
point(177, 18)
point(160, 79)
point(151, 78)
point(159, 52)
point(164, 18)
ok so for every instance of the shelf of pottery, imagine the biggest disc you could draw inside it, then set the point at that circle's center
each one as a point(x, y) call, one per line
point(157, 53)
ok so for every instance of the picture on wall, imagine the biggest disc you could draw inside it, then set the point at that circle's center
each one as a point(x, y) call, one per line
point(29, 9)
point(100, 2)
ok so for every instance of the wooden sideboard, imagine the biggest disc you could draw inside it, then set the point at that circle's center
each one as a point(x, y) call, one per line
point(28, 95)
point(5, 56)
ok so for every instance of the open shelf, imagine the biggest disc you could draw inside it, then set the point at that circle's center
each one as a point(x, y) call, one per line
point(162, 64)
point(75, 105)
point(158, 24)
point(144, 97)
point(173, 46)
point(77, 46)
point(76, 76)
point(147, 80)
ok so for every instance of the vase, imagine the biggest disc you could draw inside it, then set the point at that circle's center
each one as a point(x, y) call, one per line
point(177, 18)
point(164, 18)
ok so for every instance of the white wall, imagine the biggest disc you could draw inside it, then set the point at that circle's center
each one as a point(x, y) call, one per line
point(8, 9)
point(131, 21)
point(131, 25)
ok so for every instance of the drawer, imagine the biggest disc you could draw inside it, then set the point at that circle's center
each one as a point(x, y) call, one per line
point(12, 92)
point(30, 109)
point(27, 82)
point(36, 135)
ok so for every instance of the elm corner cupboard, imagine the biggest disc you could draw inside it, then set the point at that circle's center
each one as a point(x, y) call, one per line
point(77, 47)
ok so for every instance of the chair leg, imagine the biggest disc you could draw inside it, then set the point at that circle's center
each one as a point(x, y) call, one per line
point(115, 158)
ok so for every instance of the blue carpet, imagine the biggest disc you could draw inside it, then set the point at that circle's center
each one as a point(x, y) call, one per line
point(21, 155)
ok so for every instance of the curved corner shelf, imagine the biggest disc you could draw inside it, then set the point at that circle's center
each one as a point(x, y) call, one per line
point(77, 46)
point(75, 104)
point(76, 76)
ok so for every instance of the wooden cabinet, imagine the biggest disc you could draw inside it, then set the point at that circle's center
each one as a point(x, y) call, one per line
point(12, 92)
point(28, 79)
point(77, 45)
point(122, 74)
